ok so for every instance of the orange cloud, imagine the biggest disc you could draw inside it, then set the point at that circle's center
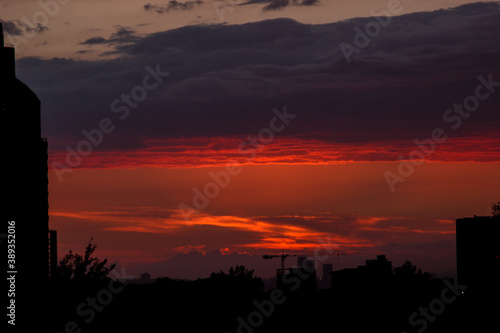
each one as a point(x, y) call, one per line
point(190, 248)
point(293, 233)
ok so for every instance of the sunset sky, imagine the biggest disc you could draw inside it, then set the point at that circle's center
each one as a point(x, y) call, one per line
point(189, 136)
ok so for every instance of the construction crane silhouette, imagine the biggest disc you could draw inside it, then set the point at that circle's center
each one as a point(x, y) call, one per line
point(283, 256)
point(338, 254)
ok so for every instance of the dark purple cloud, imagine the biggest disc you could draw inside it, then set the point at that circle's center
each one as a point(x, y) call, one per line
point(172, 5)
point(18, 28)
point(225, 79)
point(123, 35)
point(280, 4)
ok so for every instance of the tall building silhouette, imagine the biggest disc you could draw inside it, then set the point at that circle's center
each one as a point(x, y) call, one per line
point(326, 273)
point(478, 249)
point(25, 203)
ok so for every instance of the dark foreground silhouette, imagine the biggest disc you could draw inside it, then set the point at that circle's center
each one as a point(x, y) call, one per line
point(360, 300)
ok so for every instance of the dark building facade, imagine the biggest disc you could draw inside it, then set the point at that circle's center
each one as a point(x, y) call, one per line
point(25, 206)
point(376, 272)
point(478, 249)
point(326, 275)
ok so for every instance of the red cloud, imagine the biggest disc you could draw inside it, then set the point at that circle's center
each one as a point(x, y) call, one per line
point(218, 151)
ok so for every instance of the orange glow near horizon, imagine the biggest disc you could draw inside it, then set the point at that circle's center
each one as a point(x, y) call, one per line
point(134, 216)
point(273, 234)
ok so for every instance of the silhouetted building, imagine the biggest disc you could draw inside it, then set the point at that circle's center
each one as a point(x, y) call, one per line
point(144, 279)
point(326, 275)
point(301, 261)
point(478, 249)
point(375, 272)
point(52, 253)
point(302, 278)
point(346, 276)
point(25, 203)
point(379, 268)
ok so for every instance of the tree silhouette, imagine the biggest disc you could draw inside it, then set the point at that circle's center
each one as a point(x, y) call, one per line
point(409, 271)
point(75, 268)
point(495, 209)
point(239, 274)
